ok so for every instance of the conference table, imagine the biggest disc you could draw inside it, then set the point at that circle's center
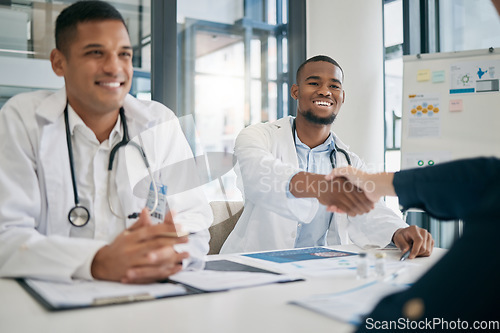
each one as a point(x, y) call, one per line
point(263, 308)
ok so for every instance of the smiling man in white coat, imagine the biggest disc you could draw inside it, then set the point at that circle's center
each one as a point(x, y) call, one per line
point(63, 214)
point(282, 170)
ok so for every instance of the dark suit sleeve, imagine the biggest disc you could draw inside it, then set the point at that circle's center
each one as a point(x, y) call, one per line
point(464, 283)
point(454, 190)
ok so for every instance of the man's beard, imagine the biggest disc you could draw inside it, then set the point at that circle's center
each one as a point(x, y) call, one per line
point(311, 117)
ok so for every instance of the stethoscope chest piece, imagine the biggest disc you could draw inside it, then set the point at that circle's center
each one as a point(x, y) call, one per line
point(79, 216)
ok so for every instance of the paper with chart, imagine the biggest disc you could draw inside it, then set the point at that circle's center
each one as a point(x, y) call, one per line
point(424, 115)
point(316, 261)
point(307, 261)
point(310, 253)
point(474, 76)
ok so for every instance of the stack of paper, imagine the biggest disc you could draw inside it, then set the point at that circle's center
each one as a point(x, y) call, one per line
point(351, 305)
point(219, 281)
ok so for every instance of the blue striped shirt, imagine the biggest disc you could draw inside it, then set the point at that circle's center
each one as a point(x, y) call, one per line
point(316, 160)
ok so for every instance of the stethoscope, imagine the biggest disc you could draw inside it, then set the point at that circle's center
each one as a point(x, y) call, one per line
point(79, 215)
point(333, 156)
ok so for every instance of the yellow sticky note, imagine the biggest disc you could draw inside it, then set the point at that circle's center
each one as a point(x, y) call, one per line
point(456, 105)
point(424, 75)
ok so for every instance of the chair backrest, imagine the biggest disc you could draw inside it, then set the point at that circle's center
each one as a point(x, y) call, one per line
point(226, 214)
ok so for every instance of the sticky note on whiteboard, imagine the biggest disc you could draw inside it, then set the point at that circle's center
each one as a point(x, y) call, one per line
point(438, 76)
point(424, 75)
point(456, 105)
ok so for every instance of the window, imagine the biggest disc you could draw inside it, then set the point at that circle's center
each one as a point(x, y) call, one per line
point(463, 21)
point(232, 72)
point(27, 38)
point(393, 63)
point(231, 64)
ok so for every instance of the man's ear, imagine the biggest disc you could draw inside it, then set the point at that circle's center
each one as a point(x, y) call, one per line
point(343, 96)
point(58, 61)
point(294, 91)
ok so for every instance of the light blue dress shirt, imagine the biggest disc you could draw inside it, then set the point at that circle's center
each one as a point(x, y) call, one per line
point(316, 160)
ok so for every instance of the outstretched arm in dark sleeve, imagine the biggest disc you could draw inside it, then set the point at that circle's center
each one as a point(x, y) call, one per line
point(454, 190)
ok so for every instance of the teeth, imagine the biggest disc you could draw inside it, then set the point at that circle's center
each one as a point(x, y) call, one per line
point(321, 103)
point(110, 84)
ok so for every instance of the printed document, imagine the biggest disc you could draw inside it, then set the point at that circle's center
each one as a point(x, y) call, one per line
point(352, 305)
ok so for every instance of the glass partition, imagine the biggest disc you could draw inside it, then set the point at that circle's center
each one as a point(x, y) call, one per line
point(231, 73)
point(232, 64)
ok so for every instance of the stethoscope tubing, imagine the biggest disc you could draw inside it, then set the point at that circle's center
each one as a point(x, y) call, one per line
point(79, 215)
point(70, 154)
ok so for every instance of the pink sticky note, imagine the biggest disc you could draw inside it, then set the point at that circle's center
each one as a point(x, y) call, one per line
point(456, 105)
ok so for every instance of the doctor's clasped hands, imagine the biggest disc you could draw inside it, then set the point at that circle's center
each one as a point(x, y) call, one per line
point(142, 253)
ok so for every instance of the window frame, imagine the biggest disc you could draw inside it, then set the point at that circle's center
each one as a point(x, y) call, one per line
point(165, 50)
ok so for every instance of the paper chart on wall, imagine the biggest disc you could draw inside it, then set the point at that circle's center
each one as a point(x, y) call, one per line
point(474, 77)
point(424, 119)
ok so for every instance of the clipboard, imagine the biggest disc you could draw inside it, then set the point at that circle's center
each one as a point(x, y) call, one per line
point(57, 296)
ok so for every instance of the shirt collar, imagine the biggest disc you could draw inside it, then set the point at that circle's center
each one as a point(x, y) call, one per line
point(328, 145)
point(75, 122)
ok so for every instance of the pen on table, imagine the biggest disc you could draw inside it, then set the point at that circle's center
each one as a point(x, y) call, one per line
point(405, 255)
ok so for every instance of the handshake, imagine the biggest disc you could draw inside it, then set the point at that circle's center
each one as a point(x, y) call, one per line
point(344, 190)
point(354, 192)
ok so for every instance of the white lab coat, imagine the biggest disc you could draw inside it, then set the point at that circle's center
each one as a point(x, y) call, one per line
point(267, 159)
point(36, 191)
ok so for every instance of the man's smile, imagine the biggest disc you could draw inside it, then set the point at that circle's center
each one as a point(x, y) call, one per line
point(110, 84)
point(323, 103)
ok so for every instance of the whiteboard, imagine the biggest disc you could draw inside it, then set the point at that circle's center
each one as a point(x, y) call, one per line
point(451, 107)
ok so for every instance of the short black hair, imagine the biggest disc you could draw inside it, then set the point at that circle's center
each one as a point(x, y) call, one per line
point(82, 11)
point(316, 59)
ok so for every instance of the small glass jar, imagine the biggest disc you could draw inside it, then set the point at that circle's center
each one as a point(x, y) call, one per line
point(362, 269)
point(380, 264)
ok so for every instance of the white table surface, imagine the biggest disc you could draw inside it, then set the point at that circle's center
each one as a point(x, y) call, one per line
point(258, 309)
